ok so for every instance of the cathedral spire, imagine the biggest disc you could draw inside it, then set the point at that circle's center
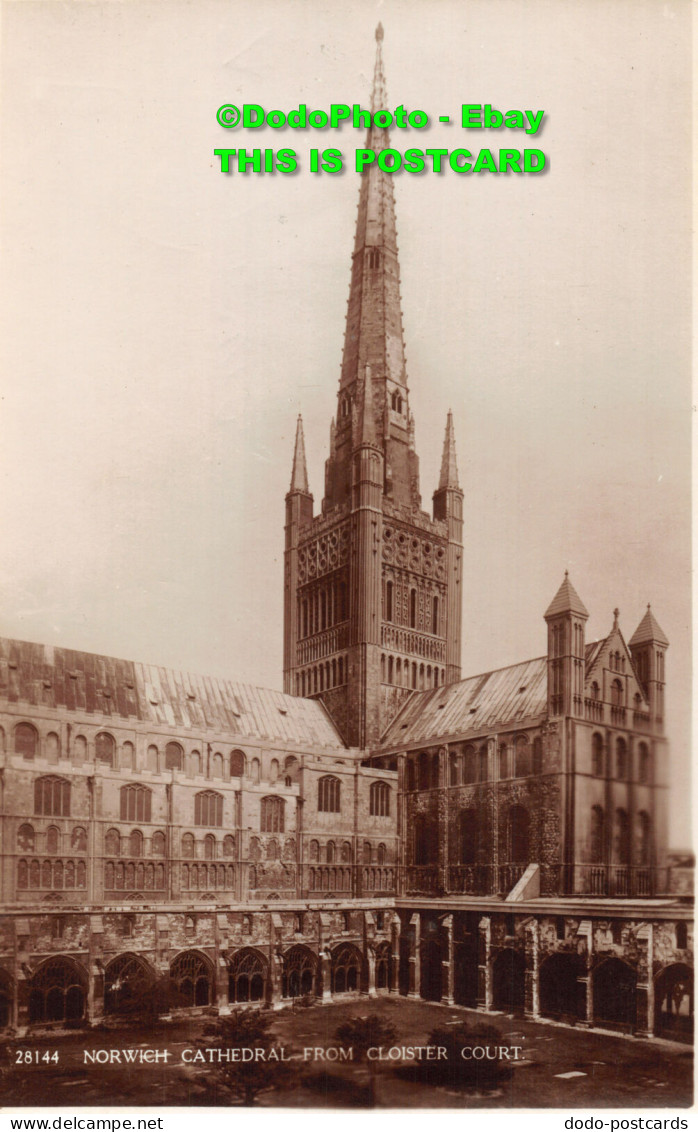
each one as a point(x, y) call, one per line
point(449, 467)
point(374, 334)
point(299, 473)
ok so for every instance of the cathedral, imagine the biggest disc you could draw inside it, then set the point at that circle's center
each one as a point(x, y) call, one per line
point(385, 826)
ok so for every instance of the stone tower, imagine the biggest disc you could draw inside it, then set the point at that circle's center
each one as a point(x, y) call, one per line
point(372, 594)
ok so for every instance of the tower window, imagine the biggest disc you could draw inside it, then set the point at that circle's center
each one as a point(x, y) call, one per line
point(374, 258)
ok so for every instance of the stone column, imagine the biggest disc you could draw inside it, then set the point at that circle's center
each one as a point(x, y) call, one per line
point(586, 981)
point(447, 970)
point(275, 975)
point(644, 1025)
point(415, 974)
point(532, 988)
point(394, 971)
point(326, 968)
point(484, 968)
point(371, 966)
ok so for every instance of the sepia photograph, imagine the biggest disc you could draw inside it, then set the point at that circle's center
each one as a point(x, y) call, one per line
point(345, 458)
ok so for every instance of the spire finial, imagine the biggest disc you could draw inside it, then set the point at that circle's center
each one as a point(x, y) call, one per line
point(567, 573)
point(379, 32)
point(379, 96)
point(616, 615)
point(299, 472)
point(449, 467)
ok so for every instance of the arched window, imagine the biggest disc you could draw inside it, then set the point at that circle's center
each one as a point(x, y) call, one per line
point(174, 756)
point(26, 740)
point(237, 764)
point(25, 838)
point(78, 840)
point(272, 815)
point(210, 847)
point(53, 747)
point(597, 755)
point(191, 979)
point(330, 852)
point(208, 808)
point(57, 992)
point(522, 757)
point(217, 765)
point(127, 756)
point(255, 769)
point(105, 748)
point(469, 830)
point(382, 854)
point(388, 601)
point(188, 846)
point(52, 797)
point(195, 762)
point(621, 759)
point(328, 795)
point(482, 764)
point(272, 850)
point(435, 615)
point(622, 838)
point(644, 846)
point(423, 770)
point(595, 691)
point(152, 758)
point(157, 844)
point(380, 799)
point(503, 760)
point(469, 765)
point(53, 840)
point(314, 851)
point(228, 845)
point(273, 770)
point(135, 844)
point(644, 767)
point(112, 843)
point(136, 803)
point(413, 609)
point(617, 693)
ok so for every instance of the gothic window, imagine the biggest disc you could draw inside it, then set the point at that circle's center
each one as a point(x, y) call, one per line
point(380, 799)
point(469, 765)
point(173, 756)
point(52, 797)
point(57, 992)
point(209, 847)
point(435, 615)
point(105, 748)
point(328, 795)
point(191, 978)
point(643, 754)
point(25, 838)
point(644, 839)
point(597, 754)
point(26, 740)
point(503, 760)
point(622, 838)
point(247, 977)
point(53, 839)
point(374, 258)
point(597, 835)
point(188, 846)
point(522, 757)
point(617, 693)
point(112, 843)
point(621, 759)
point(157, 844)
point(413, 609)
point(208, 808)
point(272, 815)
point(78, 840)
point(136, 802)
point(135, 844)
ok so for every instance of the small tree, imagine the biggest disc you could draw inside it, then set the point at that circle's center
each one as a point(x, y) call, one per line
point(458, 1072)
point(363, 1032)
point(246, 1030)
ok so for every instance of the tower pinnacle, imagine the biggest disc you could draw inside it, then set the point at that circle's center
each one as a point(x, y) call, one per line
point(299, 473)
point(449, 467)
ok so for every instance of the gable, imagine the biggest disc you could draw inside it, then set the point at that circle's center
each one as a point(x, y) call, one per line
point(607, 662)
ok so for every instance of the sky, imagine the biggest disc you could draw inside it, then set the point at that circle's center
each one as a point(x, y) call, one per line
point(164, 324)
